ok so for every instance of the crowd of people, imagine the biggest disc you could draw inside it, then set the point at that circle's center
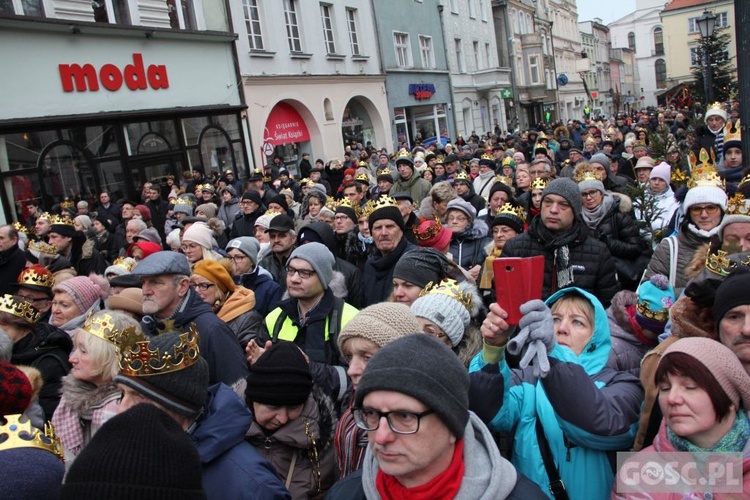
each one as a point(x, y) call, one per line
point(337, 329)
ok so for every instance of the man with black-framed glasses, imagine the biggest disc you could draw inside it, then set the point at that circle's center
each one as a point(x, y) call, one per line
point(413, 401)
point(34, 285)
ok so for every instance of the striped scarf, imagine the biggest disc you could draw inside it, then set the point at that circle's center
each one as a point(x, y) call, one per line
point(351, 443)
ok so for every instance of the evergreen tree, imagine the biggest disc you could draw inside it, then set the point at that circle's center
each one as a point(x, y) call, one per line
point(716, 45)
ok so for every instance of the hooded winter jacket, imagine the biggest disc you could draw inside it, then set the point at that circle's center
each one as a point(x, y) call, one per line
point(415, 186)
point(267, 292)
point(232, 468)
point(585, 408)
point(487, 475)
point(467, 247)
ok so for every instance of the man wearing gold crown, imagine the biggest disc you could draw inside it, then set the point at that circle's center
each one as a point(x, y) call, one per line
point(12, 258)
point(711, 136)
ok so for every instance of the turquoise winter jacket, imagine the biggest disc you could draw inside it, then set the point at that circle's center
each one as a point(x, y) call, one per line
point(586, 409)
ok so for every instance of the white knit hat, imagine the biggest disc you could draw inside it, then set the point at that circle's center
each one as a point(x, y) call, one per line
point(662, 171)
point(201, 234)
point(716, 112)
point(705, 194)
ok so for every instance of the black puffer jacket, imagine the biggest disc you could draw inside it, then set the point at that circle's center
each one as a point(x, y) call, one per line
point(593, 266)
point(467, 247)
point(619, 232)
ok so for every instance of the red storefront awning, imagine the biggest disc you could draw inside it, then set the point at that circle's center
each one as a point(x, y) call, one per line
point(285, 125)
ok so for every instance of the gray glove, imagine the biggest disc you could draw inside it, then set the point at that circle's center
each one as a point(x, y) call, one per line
point(537, 333)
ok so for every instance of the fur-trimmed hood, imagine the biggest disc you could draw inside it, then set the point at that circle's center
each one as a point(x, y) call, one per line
point(82, 397)
point(337, 286)
point(626, 204)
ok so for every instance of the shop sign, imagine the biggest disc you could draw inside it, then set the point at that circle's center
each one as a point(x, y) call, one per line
point(421, 91)
point(136, 76)
point(506, 93)
point(285, 126)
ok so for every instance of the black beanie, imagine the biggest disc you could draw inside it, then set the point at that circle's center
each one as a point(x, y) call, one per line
point(280, 199)
point(424, 368)
point(183, 391)
point(733, 292)
point(386, 211)
point(63, 230)
point(501, 186)
point(422, 266)
point(142, 453)
point(348, 211)
point(280, 377)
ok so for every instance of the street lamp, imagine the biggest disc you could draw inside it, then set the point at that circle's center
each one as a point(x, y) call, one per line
point(706, 24)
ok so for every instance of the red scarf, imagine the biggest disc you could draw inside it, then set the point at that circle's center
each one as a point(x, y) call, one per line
point(444, 486)
point(637, 330)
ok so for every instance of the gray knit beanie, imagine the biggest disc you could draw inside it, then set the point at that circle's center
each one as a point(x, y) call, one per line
point(602, 159)
point(380, 323)
point(319, 257)
point(422, 266)
point(424, 368)
point(208, 209)
point(183, 391)
point(568, 189)
point(446, 312)
point(247, 245)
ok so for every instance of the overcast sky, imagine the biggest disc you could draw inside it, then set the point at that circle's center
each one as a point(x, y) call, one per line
point(607, 10)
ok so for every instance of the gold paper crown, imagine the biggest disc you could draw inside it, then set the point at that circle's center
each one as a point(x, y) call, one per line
point(45, 216)
point(587, 175)
point(430, 232)
point(738, 205)
point(439, 159)
point(462, 176)
point(715, 105)
point(68, 204)
point(488, 156)
point(257, 171)
point(743, 181)
point(721, 265)
point(363, 177)
point(20, 228)
point(103, 326)
point(42, 247)
point(540, 183)
point(644, 310)
point(363, 164)
point(678, 176)
point(504, 179)
point(331, 204)
point(590, 140)
point(304, 181)
point(508, 160)
point(272, 213)
point(61, 220)
point(510, 209)
point(403, 155)
point(21, 434)
point(140, 360)
point(450, 288)
point(122, 262)
point(346, 202)
point(365, 210)
point(732, 131)
point(384, 201)
point(704, 171)
point(206, 187)
point(639, 144)
point(541, 136)
point(30, 276)
point(384, 171)
point(184, 201)
point(19, 308)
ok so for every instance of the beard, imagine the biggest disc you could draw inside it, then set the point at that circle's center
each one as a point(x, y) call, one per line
point(150, 305)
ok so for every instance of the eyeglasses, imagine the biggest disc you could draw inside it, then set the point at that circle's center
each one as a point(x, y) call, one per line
point(31, 300)
point(238, 258)
point(589, 194)
point(341, 217)
point(202, 286)
point(457, 218)
point(710, 209)
point(303, 273)
point(189, 246)
point(400, 422)
point(247, 202)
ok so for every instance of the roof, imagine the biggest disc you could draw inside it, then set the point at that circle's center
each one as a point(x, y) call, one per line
point(682, 4)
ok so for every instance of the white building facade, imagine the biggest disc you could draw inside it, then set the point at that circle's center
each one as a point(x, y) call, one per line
point(566, 40)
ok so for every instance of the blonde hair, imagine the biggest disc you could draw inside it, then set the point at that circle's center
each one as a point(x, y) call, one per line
point(442, 191)
point(578, 302)
point(103, 354)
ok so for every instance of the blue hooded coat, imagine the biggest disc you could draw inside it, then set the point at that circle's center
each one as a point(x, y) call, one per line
point(586, 410)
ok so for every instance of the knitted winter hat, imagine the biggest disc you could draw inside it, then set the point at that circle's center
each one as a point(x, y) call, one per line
point(201, 234)
point(15, 390)
point(446, 312)
point(319, 257)
point(602, 159)
point(501, 186)
point(723, 364)
point(568, 189)
point(247, 245)
point(432, 234)
point(589, 184)
point(422, 367)
point(422, 266)
point(83, 290)
point(142, 453)
point(655, 298)
point(662, 171)
point(386, 210)
point(145, 212)
point(509, 218)
point(705, 194)
point(280, 200)
point(31, 474)
point(121, 268)
point(644, 162)
point(216, 274)
point(348, 211)
point(182, 390)
point(280, 377)
point(208, 209)
point(715, 110)
point(380, 323)
point(734, 291)
point(464, 206)
point(253, 195)
point(84, 221)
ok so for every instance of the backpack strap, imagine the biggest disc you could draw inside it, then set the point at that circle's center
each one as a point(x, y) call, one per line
point(674, 252)
point(334, 320)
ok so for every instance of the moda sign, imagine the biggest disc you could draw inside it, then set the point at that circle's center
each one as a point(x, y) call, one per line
point(135, 76)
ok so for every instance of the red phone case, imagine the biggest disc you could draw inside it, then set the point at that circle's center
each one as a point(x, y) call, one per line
point(517, 280)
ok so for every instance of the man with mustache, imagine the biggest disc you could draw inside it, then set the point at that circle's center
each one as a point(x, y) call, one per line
point(282, 237)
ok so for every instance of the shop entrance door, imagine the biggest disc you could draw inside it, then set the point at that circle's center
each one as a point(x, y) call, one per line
point(155, 170)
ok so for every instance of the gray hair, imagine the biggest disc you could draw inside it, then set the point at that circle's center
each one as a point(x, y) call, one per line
point(139, 223)
point(6, 346)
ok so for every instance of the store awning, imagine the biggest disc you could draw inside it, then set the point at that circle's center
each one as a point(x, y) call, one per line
point(285, 125)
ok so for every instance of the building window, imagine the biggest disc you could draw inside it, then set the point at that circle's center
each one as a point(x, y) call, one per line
point(487, 56)
point(325, 17)
point(31, 8)
point(403, 49)
point(695, 59)
point(292, 26)
point(473, 9)
point(454, 6)
point(252, 23)
point(661, 74)
point(460, 56)
point(351, 21)
point(181, 14)
point(477, 57)
point(658, 42)
point(722, 21)
point(534, 69)
point(483, 9)
point(425, 48)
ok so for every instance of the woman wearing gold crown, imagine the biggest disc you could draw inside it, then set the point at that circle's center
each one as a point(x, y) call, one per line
point(89, 398)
